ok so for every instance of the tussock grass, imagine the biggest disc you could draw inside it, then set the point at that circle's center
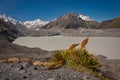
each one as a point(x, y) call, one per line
point(77, 59)
point(80, 60)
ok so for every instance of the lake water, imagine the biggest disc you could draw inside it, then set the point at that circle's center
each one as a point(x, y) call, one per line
point(107, 46)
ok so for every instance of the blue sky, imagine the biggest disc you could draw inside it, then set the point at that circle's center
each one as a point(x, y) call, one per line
point(24, 10)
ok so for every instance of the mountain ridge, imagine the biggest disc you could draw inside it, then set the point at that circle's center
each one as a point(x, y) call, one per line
point(13, 22)
point(112, 23)
point(70, 20)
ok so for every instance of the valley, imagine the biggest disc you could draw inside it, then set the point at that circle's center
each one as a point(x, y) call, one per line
point(70, 24)
point(39, 40)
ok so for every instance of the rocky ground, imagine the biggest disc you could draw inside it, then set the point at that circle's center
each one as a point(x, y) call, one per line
point(91, 32)
point(81, 32)
point(26, 71)
point(110, 67)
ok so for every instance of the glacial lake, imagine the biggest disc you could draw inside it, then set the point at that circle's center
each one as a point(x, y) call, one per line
point(107, 46)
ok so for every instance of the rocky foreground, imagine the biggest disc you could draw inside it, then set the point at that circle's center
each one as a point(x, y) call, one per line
point(27, 71)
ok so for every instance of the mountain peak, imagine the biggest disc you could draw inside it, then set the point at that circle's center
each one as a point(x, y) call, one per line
point(71, 20)
point(70, 15)
point(37, 20)
point(67, 21)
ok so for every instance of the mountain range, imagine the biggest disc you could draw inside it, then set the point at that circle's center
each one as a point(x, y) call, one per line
point(68, 21)
point(35, 24)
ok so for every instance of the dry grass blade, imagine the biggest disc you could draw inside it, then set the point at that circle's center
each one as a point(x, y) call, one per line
point(26, 60)
point(72, 46)
point(83, 43)
point(3, 61)
point(13, 60)
point(38, 63)
point(53, 65)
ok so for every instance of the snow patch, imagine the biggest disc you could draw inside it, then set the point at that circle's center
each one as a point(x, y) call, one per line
point(35, 23)
point(86, 18)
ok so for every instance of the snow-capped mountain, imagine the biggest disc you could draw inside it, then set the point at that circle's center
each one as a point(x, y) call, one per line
point(77, 21)
point(71, 20)
point(23, 25)
point(12, 22)
point(34, 24)
point(86, 18)
point(66, 21)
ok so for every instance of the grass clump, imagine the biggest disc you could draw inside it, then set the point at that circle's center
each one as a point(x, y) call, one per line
point(77, 59)
point(80, 60)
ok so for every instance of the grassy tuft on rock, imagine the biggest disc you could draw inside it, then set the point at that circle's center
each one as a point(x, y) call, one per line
point(77, 59)
point(80, 60)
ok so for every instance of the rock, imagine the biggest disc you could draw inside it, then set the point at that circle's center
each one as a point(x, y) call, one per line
point(26, 65)
point(89, 78)
point(6, 79)
point(22, 71)
point(57, 77)
point(51, 79)
point(24, 77)
point(86, 78)
point(109, 67)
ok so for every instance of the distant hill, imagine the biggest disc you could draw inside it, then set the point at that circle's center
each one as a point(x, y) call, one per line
point(113, 23)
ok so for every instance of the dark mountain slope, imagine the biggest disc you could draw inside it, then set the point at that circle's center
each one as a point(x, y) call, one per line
point(113, 23)
point(7, 49)
point(8, 32)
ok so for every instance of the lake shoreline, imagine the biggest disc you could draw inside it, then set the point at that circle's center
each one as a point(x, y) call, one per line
point(97, 45)
point(24, 70)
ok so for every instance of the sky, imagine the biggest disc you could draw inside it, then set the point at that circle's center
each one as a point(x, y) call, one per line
point(47, 10)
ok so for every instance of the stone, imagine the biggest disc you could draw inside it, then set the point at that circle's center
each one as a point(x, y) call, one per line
point(51, 79)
